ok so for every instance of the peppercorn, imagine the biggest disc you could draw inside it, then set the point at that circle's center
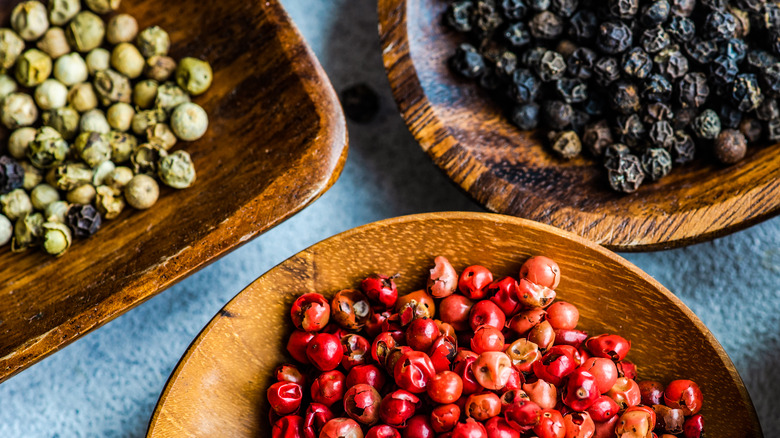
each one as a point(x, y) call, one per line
point(566, 144)
point(719, 25)
point(707, 125)
point(485, 19)
point(28, 232)
point(693, 90)
point(606, 70)
point(623, 8)
point(102, 6)
point(176, 170)
point(730, 146)
point(729, 116)
point(54, 43)
point(583, 25)
point(69, 176)
point(11, 174)
point(701, 51)
point(98, 59)
point(630, 130)
point(657, 88)
point(612, 153)
point(64, 120)
point(637, 63)
point(751, 129)
point(595, 105)
point(768, 110)
point(85, 32)
point(613, 37)
point(82, 97)
point(656, 162)
point(681, 29)
point(683, 148)
point(162, 135)
point(48, 149)
point(119, 177)
point(556, 114)
point(15, 204)
point(458, 15)
point(505, 65)
point(773, 130)
point(745, 92)
point(145, 93)
point(92, 147)
point(33, 67)
point(153, 41)
point(624, 97)
point(517, 35)
point(159, 68)
point(539, 5)
point(32, 175)
point(714, 5)
point(120, 116)
point(145, 158)
point(572, 90)
point(546, 25)
point(81, 195)
point(526, 116)
point(580, 64)
point(758, 60)
point(19, 142)
point(83, 220)
point(141, 192)
point(112, 87)
point(627, 174)
point(467, 62)
point(30, 20)
point(734, 48)
point(551, 66)
point(662, 134)
point(6, 230)
point(655, 13)
point(723, 70)
point(514, 9)
point(189, 121)
point(531, 57)
point(126, 59)
point(101, 172)
point(671, 62)
point(654, 39)
point(597, 137)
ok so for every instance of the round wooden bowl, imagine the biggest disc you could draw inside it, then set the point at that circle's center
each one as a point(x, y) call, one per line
point(513, 172)
point(218, 387)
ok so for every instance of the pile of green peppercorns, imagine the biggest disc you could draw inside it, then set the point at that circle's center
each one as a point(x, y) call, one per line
point(644, 84)
point(94, 108)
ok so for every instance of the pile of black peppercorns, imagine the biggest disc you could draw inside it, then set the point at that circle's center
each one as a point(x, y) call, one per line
point(642, 84)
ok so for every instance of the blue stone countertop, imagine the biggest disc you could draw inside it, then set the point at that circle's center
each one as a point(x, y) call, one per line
point(107, 383)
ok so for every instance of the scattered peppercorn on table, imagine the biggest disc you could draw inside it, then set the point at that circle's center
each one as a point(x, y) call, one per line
point(107, 384)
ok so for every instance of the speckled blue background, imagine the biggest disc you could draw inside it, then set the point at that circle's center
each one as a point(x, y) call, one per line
point(107, 383)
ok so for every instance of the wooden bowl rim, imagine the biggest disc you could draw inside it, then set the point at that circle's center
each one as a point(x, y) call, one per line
point(480, 217)
point(395, 52)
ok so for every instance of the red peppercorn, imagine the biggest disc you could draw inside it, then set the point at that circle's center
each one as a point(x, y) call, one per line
point(455, 310)
point(350, 309)
point(503, 292)
point(492, 369)
point(469, 429)
point(523, 415)
point(380, 348)
point(285, 397)
point(563, 315)
point(497, 427)
point(669, 420)
point(421, 333)
point(328, 388)
point(361, 403)
point(482, 406)
point(533, 295)
point(652, 392)
point(625, 392)
point(445, 387)
point(542, 335)
point(487, 338)
point(355, 351)
point(486, 313)
point(556, 364)
point(418, 426)
point(310, 312)
point(341, 428)
point(424, 306)
point(324, 351)
point(442, 353)
point(603, 408)
point(369, 374)
point(444, 417)
point(413, 371)
point(543, 393)
point(380, 289)
point(694, 427)
point(578, 425)
point(524, 321)
point(636, 421)
point(393, 357)
point(550, 425)
point(474, 280)
point(606, 429)
point(317, 415)
point(289, 373)
point(516, 381)
point(375, 322)
point(581, 390)
point(383, 431)
point(290, 426)
point(685, 395)
point(613, 347)
point(542, 271)
point(603, 370)
point(297, 343)
point(443, 280)
point(523, 353)
point(463, 368)
point(397, 407)
point(626, 369)
point(575, 338)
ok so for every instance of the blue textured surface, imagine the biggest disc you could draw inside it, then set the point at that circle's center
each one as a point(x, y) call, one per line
point(107, 383)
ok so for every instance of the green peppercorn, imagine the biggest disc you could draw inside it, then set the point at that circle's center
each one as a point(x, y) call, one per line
point(94, 121)
point(56, 238)
point(71, 69)
point(120, 116)
point(29, 19)
point(93, 148)
point(169, 96)
point(153, 41)
point(33, 67)
point(82, 97)
point(194, 75)
point(119, 178)
point(54, 43)
point(146, 157)
point(69, 176)
point(101, 172)
point(7, 86)
point(28, 232)
point(122, 28)
point(176, 170)
point(19, 142)
point(144, 119)
point(48, 149)
point(189, 121)
point(17, 110)
point(126, 59)
point(62, 11)
point(51, 94)
point(142, 192)
point(145, 93)
point(85, 32)
point(65, 120)
point(109, 202)
point(32, 175)
point(43, 195)
point(98, 60)
point(6, 230)
point(56, 211)
point(16, 204)
point(112, 87)
point(102, 6)
point(123, 145)
point(159, 68)
point(11, 46)
point(162, 135)
point(82, 195)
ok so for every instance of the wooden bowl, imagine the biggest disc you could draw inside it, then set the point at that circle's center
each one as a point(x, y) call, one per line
point(277, 140)
point(513, 172)
point(218, 388)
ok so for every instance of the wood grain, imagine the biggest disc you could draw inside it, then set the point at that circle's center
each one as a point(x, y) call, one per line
point(277, 140)
point(512, 172)
point(218, 388)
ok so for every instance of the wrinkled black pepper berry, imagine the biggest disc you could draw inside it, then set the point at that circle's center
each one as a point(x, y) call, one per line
point(557, 114)
point(657, 112)
point(657, 88)
point(526, 117)
point(606, 70)
point(723, 70)
point(701, 51)
point(631, 131)
point(566, 144)
point(524, 86)
point(623, 8)
point(734, 48)
point(597, 137)
point(682, 29)
point(11, 174)
point(745, 92)
point(571, 90)
point(627, 175)
point(612, 154)
point(707, 125)
point(714, 5)
point(505, 65)
point(580, 64)
point(624, 97)
point(655, 13)
point(683, 148)
point(654, 39)
point(613, 37)
point(773, 130)
point(517, 35)
point(546, 26)
point(656, 162)
point(637, 63)
point(768, 110)
point(485, 19)
point(539, 5)
point(671, 62)
point(551, 66)
point(730, 117)
point(693, 90)
point(758, 60)
point(583, 25)
point(467, 61)
point(662, 134)
point(458, 15)
point(564, 8)
point(683, 8)
point(531, 57)
point(514, 9)
point(83, 220)
point(770, 79)
point(751, 129)
point(719, 25)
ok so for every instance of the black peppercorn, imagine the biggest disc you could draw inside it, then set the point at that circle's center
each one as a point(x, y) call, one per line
point(662, 134)
point(485, 19)
point(11, 174)
point(458, 15)
point(564, 8)
point(751, 129)
point(583, 25)
point(580, 64)
point(557, 114)
point(734, 48)
point(743, 21)
point(467, 61)
point(701, 51)
point(707, 125)
point(768, 110)
point(606, 70)
point(771, 16)
point(505, 65)
point(683, 8)
point(681, 29)
point(631, 131)
point(671, 62)
point(514, 9)
point(531, 57)
point(623, 8)
point(524, 86)
point(719, 25)
point(627, 174)
point(596, 137)
point(613, 37)
point(730, 146)
point(539, 5)
point(655, 13)
point(571, 90)
point(565, 48)
point(657, 88)
point(656, 162)
point(773, 130)
point(758, 60)
point(624, 97)
point(579, 119)
point(83, 220)
point(546, 25)
point(683, 117)
point(490, 80)
point(723, 70)
point(566, 144)
point(770, 79)
point(551, 66)
point(654, 39)
point(612, 154)
point(657, 112)
point(754, 6)
point(526, 116)
point(517, 35)
point(729, 116)
point(637, 63)
point(745, 92)
point(692, 90)
point(683, 148)
point(595, 105)
point(714, 5)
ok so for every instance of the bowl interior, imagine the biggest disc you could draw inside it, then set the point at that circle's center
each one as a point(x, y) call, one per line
point(218, 388)
point(276, 141)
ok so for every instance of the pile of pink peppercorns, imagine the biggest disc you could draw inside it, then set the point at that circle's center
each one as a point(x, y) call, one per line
point(499, 359)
